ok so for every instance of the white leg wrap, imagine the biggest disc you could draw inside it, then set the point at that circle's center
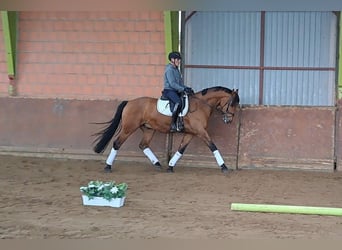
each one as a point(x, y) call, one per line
point(174, 159)
point(111, 157)
point(150, 155)
point(218, 157)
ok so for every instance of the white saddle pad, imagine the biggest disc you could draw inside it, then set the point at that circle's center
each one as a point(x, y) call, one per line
point(163, 107)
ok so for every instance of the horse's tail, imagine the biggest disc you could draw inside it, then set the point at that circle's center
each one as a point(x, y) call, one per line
point(105, 135)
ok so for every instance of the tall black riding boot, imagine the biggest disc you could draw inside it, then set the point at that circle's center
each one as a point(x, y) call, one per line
point(173, 127)
point(180, 124)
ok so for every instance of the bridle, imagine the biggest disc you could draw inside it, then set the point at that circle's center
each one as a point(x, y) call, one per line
point(227, 116)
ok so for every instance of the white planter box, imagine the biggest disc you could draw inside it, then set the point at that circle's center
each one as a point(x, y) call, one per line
point(99, 201)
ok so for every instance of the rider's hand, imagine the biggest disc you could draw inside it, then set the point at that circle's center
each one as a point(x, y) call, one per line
point(189, 91)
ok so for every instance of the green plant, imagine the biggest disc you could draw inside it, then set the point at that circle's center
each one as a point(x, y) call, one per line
point(107, 190)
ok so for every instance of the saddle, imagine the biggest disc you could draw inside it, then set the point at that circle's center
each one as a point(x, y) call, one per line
point(164, 106)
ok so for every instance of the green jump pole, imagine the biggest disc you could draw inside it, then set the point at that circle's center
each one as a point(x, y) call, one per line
point(265, 208)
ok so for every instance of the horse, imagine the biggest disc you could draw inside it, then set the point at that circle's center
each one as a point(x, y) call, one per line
point(141, 113)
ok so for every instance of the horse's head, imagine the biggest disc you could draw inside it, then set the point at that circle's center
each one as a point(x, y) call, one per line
point(222, 99)
point(228, 106)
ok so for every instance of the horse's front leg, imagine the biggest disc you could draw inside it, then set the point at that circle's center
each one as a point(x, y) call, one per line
point(206, 138)
point(183, 145)
point(218, 157)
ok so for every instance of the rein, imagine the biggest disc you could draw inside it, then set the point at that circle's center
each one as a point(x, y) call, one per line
point(227, 115)
point(204, 102)
point(228, 103)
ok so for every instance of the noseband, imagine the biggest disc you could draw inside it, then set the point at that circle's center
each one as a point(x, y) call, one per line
point(227, 115)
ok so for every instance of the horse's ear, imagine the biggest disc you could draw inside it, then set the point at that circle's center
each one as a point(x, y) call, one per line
point(237, 90)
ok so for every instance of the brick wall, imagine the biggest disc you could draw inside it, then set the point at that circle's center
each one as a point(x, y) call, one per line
point(73, 68)
point(3, 67)
point(89, 55)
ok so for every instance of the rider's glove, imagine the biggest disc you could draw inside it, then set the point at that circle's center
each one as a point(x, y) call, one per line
point(188, 90)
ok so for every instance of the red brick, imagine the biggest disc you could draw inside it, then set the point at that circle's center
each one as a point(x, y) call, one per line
point(89, 54)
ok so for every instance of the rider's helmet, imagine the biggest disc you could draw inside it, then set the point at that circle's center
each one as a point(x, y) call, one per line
point(175, 55)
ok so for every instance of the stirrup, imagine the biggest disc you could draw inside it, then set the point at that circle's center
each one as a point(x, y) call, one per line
point(180, 125)
point(173, 128)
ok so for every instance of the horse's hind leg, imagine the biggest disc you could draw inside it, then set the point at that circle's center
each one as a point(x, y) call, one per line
point(144, 146)
point(112, 155)
point(183, 145)
point(119, 140)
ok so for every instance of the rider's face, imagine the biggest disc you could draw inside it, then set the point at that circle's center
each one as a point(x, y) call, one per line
point(176, 62)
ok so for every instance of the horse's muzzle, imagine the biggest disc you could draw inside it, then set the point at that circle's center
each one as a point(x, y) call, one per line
point(227, 118)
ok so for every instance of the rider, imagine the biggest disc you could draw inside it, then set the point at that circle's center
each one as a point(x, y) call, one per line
point(174, 86)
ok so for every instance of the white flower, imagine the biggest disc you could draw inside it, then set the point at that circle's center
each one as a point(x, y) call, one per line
point(109, 190)
point(114, 190)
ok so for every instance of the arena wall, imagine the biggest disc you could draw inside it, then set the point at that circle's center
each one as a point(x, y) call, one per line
point(74, 68)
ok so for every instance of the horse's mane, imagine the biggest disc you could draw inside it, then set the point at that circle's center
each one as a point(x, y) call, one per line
point(220, 88)
point(216, 88)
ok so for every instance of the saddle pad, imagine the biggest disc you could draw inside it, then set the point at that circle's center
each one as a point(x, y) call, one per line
point(163, 107)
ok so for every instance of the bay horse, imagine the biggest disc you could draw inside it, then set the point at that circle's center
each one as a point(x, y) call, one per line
point(142, 113)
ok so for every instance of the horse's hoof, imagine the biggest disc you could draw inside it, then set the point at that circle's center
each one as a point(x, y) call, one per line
point(157, 165)
point(108, 169)
point(224, 169)
point(169, 170)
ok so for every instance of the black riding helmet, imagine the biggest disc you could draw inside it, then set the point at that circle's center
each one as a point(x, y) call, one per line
point(175, 55)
